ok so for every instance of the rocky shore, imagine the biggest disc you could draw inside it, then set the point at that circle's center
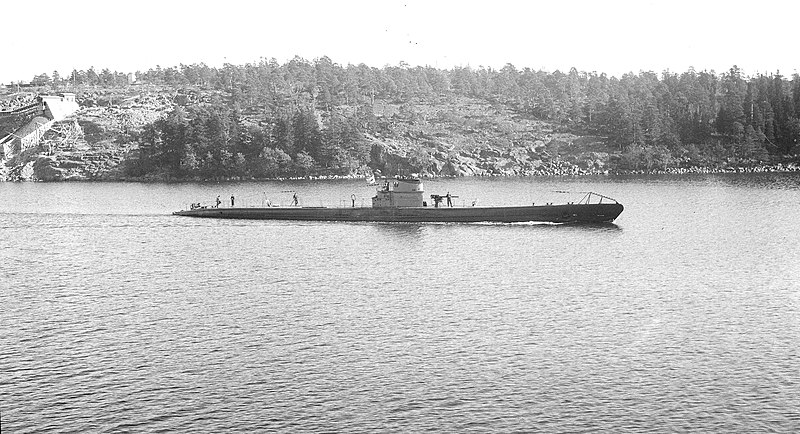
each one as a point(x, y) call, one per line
point(453, 139)
point(759, 168)
point(104, 160)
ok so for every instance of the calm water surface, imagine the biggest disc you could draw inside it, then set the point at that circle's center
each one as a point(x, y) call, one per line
point(683, 316)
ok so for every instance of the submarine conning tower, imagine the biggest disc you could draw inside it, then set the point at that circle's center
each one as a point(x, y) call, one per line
point(399, 192)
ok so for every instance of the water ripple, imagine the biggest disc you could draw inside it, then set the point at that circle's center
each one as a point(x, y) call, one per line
point(675, 319)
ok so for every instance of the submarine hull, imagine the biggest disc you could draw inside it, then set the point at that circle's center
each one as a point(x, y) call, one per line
point(568, 213)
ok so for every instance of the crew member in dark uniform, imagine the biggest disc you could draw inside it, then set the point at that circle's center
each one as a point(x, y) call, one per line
point(449, 200)
point(232, 201)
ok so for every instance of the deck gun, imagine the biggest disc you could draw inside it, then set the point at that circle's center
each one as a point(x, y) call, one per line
point(438, 198)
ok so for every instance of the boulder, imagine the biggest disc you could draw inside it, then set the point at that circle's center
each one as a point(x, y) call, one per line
point(489, 153)
point(27, 173)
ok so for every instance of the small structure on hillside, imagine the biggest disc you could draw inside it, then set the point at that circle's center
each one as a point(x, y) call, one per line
point(45, 111)
point(57, 107)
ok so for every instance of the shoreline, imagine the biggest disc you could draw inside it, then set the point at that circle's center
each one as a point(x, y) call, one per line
point(578, 173)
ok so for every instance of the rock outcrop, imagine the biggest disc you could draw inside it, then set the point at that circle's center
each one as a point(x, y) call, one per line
point(89, 145)
point(438, 158)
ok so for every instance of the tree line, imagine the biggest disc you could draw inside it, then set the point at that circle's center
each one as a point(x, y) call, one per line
point(659, 119)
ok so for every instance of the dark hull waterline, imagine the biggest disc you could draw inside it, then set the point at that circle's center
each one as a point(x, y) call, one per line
point(568, 213)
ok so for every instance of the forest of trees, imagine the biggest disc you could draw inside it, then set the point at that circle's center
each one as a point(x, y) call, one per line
point(213, 140)
point(311, 115)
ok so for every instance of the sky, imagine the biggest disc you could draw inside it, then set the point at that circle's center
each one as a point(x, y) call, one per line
point(607, 36)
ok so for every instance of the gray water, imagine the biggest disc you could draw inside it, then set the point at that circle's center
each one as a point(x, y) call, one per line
point(683, 316)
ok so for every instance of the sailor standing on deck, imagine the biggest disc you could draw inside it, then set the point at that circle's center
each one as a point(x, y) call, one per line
point(218, 201)
point(449, 200)
point(232, 200)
